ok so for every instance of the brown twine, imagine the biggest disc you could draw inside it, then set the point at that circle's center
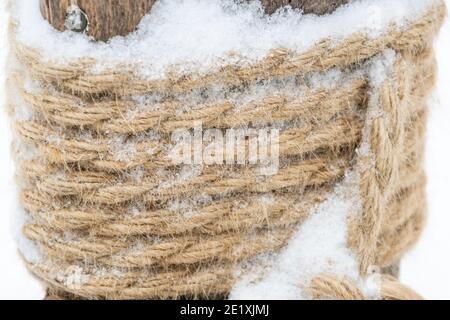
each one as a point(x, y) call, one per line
point(82, 197)
point(331, 288)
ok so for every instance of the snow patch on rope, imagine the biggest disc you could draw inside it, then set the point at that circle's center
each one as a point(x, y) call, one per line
point(201, 36)
point(319, 246)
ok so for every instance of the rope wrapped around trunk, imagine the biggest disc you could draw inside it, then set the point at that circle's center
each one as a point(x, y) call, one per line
point(100, 187)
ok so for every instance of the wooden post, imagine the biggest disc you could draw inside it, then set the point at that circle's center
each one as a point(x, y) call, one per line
point(108, 18)
point(319, 7)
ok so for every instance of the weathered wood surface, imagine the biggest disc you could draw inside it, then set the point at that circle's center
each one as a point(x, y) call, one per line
point(108, 18)
point(319, 7)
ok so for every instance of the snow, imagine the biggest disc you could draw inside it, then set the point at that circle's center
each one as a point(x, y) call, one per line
point(200, 35)
point(29, 249)
point(425, 269)
point(318, 247)
point(73, 276)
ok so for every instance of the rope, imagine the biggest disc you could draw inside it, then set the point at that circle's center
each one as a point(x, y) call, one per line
point(116, 219)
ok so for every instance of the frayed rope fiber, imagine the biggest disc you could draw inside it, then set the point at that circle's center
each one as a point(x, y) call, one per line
point(104, 219)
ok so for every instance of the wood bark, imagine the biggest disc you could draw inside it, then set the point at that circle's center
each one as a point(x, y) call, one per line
point(319, 7)
point(107, 18)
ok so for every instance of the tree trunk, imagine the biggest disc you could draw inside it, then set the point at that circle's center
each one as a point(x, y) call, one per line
point(108, 18)
point(319, 7)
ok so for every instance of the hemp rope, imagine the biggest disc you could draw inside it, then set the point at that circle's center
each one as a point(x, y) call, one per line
point(80, 195)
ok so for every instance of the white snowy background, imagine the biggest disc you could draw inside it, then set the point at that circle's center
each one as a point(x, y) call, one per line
point(425, 268)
